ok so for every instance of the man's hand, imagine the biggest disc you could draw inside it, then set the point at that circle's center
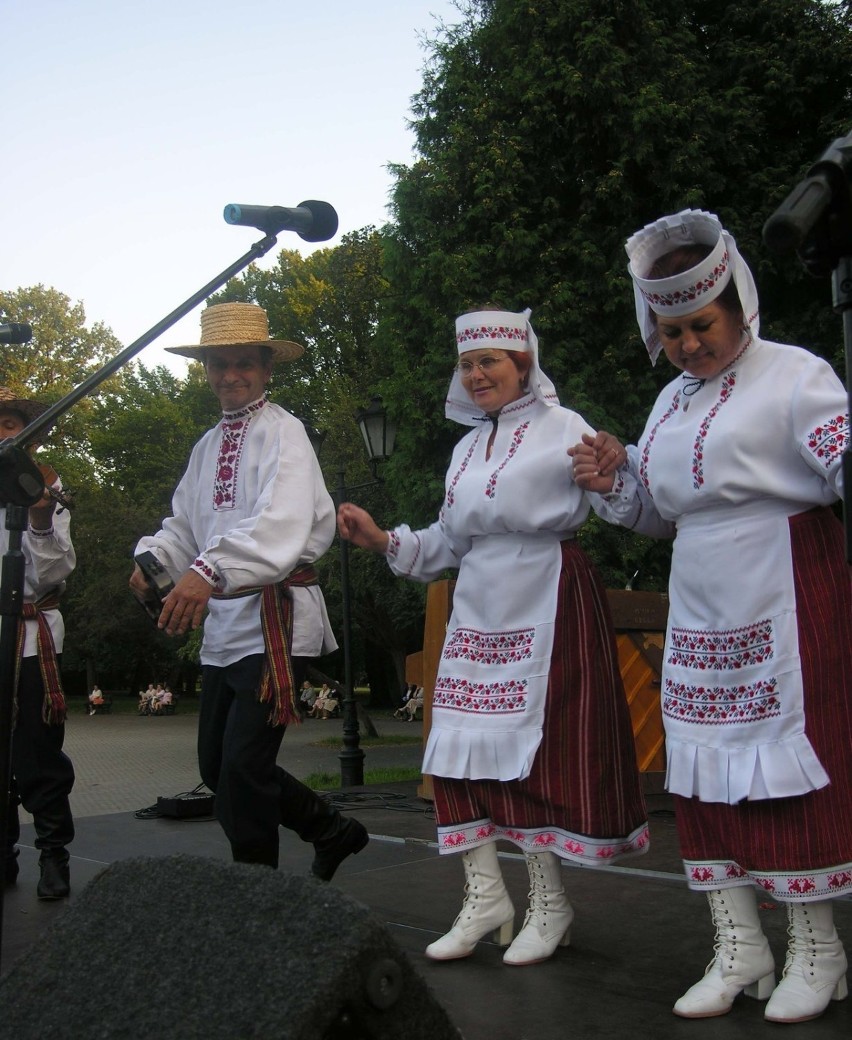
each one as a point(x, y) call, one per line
point(184, 606)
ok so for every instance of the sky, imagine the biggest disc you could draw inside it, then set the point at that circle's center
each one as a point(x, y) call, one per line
point(128, 127)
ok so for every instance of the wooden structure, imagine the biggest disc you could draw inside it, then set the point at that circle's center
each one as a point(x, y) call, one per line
point(640, 624)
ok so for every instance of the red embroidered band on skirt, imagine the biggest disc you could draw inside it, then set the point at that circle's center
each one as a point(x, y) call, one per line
point(583, 798)
point(795, 848)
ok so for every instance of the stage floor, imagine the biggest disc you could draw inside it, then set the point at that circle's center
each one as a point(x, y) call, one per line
point(639, 938)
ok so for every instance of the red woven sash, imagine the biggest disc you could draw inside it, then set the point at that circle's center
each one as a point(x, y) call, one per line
point(276, 617)
point(53, 710)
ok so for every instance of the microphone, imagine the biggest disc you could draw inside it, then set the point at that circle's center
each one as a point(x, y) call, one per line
point(313, 221)
point(16, 332)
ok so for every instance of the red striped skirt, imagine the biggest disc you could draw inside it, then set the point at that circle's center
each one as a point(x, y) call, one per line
point(583, 798)
point(795, 848)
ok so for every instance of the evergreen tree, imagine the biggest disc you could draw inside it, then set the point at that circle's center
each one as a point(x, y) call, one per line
point(550, 130)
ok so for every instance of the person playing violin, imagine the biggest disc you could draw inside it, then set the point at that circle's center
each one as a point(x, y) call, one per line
point(42, 774)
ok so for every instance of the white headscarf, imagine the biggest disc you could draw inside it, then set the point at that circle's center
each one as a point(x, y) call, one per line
point(693, 289)
point(503, 330)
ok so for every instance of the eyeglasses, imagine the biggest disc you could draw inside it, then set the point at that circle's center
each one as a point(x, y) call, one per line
point(485, 365)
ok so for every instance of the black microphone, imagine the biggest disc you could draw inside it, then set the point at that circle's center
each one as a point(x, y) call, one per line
point(16, 332)
point(313, 221)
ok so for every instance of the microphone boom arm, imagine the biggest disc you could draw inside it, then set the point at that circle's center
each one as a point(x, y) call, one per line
point(58, 409)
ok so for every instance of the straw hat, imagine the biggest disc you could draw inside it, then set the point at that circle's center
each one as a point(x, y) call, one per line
point(238, 325)
point(10, 402)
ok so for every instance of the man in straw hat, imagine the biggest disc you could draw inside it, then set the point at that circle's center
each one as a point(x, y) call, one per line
point(42, 774)
point(251, 517)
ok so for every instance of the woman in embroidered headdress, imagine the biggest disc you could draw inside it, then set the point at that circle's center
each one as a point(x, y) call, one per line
point(740, 460)
point(530, 739)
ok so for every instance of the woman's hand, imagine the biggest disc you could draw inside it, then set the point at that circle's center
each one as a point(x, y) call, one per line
point(357, 526)
point(596, 460)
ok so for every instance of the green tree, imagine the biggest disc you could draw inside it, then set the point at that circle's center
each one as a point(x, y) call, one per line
point(62, 353)
point(547, 132)
point(141, 433)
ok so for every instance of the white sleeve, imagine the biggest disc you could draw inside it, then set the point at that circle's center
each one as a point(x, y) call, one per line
point(629, 504)
point(821, 422)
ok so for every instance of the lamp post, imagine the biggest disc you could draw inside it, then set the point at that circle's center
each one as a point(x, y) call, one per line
point(379, 434)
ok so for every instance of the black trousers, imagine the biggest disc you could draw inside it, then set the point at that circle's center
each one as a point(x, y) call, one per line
point(237, 751)
point(42, 774)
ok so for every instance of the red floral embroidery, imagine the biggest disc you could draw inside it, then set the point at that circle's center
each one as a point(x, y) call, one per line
point(450, 496)
point(720, 705)
point(576, 848)
point(490, 648)
point(828, 441)
point(727, 650)
point(517, 439)
point(646, 447)
point(698, 450)
point(499, 698)
point(235, 426)
point(491, 332)
point(207, 571)
point(691, 292)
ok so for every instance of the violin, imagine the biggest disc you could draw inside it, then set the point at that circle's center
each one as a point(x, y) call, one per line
point(63, 498)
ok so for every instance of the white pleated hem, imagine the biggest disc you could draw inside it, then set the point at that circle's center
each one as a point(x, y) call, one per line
point(782, 769)
point(464, 755)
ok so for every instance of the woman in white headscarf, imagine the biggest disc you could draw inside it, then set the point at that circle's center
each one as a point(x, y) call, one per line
point(739, 461)
point(530, 738)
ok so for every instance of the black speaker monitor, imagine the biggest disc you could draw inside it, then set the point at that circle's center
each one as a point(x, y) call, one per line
point(185, 947)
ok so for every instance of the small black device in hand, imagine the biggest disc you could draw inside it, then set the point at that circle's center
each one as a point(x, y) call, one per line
point(159, 583)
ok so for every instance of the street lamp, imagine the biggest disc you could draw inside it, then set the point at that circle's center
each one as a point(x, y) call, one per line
point(379, 433)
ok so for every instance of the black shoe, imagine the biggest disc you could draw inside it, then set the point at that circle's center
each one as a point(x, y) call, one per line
point(10, 870)
point(55, 880)
point(351, 837)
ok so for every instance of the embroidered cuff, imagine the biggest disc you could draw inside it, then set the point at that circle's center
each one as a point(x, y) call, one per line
point(202, 567)
point(392, 550)
point(617, 488)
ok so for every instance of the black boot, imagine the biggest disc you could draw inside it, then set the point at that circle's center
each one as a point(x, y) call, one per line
point(55, 880)
point(10, 868)
point(349, 837)
point(333, 836)
point(264, 855)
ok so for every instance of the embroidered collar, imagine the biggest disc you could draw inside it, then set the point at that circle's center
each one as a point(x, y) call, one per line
point(246, 412)
point(509, 411)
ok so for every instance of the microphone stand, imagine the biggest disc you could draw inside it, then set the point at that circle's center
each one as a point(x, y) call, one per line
point(22, 485)
point(816, 220)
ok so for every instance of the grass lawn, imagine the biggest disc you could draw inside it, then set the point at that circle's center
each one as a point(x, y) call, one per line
point(328, 781)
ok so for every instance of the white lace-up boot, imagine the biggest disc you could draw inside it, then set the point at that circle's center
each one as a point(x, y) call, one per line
point(548, 920)
point(815, 968)
point(743, 961)
point(486, 908)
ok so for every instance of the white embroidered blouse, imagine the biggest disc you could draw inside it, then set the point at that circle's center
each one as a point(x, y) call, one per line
point(501, 523)
point(250, 508)
point(723, 465)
